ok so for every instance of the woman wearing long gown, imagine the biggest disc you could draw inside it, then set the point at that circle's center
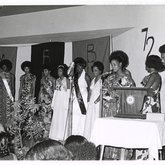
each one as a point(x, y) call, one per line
point(118, 78)
point(60, 105)
point(45, 98)
point(153, 81)
point(27, 82)
point(6, 96)
point(93, 109)
point(80, 96)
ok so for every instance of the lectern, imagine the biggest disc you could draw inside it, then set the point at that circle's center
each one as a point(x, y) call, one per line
point(131, 101)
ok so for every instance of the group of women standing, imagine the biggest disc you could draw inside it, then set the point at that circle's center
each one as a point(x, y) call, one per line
point(87, 96)
point(54, 94)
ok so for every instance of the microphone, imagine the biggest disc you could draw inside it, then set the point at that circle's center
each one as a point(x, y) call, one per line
point(106, 74)
point(71, 69)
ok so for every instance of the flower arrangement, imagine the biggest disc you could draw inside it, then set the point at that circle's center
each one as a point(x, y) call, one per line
point(25, 124)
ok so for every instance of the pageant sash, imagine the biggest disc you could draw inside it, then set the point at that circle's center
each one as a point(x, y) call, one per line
point(79, 96)
point(7, 87)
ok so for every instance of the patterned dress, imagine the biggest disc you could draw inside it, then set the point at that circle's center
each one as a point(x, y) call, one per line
point(110, 98)
point(27, 86)
point(5, 102)
point(111, 106)
point(151, 102)
point(45, 100)
point(151, 105)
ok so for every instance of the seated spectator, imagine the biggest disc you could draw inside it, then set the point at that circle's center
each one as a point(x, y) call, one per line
point(81, 148)
point(48, 150)
point(5, 153)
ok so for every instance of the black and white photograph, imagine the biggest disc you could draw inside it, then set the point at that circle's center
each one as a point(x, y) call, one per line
point(82, 82)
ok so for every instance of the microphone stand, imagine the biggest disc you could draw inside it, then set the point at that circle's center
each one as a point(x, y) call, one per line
point(68, 124)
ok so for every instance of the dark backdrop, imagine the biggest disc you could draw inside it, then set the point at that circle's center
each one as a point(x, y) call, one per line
point(51, 54)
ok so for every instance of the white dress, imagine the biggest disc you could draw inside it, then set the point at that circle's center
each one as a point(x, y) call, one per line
point(162, 92)
point(78, 119)
point(60, 108)
point(93, 109)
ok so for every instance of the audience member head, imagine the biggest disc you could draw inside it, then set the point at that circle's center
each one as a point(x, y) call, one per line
point(80, 64)
point(162, 52)
point(4, 144)
point(48, 150)
point(97, 68)
point(26, 66)
point(6, 65)
point(81, 148)
point(154, 63)
point(62, 70)
point(120, 59)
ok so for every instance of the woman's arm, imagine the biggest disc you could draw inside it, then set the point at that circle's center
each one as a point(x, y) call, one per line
point(33, 86)
point(68, 83)
point(13, 85)
point(128, 73)
point(154, 81)
point(39, 95)
point(20, 88)
point(54, 83)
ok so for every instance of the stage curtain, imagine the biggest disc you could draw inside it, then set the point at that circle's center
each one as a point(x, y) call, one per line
point(93, 50)
point(52, 54)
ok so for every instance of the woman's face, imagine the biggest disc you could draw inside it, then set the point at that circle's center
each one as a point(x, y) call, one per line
point(46, 72)
point(26, 70)
point(163, 58)
point(4, 68)
point(60, 72)
point(79, 68)
point(96, 71)
point(116, 65)
point(149, 70)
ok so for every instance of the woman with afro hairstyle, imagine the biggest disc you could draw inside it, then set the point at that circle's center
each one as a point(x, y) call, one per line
point(120, 77)
point(153, 81)
point(27, 82)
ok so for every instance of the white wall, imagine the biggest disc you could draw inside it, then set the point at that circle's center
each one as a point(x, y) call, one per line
point(68, 53)
point(132, 41)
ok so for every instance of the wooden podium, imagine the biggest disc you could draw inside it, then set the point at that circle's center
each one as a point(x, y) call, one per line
point(131, 101)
